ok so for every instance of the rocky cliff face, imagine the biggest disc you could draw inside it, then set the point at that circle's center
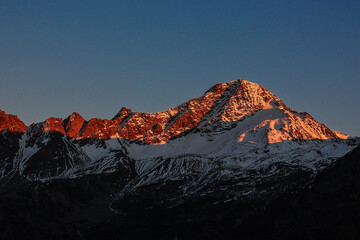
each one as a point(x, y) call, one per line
point(227, 119)
point(238, 143)
point(223, 103)
point(11, 123)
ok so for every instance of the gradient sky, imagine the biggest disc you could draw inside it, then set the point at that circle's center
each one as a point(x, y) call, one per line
point(94, 57)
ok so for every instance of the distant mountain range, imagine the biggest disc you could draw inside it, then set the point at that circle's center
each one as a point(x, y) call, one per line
point(235, 163)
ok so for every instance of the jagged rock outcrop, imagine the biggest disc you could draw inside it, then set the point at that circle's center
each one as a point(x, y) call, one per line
point(227, 119)
point(11, 123)
point(169, 172)
point(223, 103)
point(73, 124)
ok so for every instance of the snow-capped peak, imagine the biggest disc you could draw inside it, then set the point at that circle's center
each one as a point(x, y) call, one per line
point(222, 107)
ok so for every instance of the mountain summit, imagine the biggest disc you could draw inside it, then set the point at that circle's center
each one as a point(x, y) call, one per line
point(11, 123)
point(222, 106)
point(229, 119)
point(215, 161)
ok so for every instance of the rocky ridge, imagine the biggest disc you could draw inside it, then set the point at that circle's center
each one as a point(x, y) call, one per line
point(237, 144)
point(221, 105)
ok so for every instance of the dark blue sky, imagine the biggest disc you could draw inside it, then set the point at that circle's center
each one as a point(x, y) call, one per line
point(94, 57)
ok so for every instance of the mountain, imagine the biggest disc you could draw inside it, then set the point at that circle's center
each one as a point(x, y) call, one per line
point(157, 175)
point(11, 123)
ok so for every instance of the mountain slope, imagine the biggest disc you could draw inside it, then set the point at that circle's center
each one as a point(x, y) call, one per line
point(237, 145)
point(327, 207)
point(239, 126)
point(223, 103)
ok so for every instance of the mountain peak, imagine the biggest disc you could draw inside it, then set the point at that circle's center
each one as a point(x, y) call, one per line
point(239, 80)
point(53, 125)
point(223, 106)
point(74, 116)
point(241, 98)
point(73, 124)
point(11, 123)
point(122, 113)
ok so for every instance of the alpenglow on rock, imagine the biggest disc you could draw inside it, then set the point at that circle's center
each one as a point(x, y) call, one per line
point(230, 119)
point(231, 151)
point(223, 105)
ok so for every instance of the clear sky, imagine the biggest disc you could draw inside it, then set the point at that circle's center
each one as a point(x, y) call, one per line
point(94, 57)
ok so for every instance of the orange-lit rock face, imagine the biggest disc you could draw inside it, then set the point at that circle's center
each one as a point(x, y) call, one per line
point(160, 127)
point(98, 128)
point(102, 129)
point(225, 102)
point(144, 126)
point(286, 124)
point(73, 125)
point(123, 113)
point(53, 125)
point(11, 123)
point(248, 98)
